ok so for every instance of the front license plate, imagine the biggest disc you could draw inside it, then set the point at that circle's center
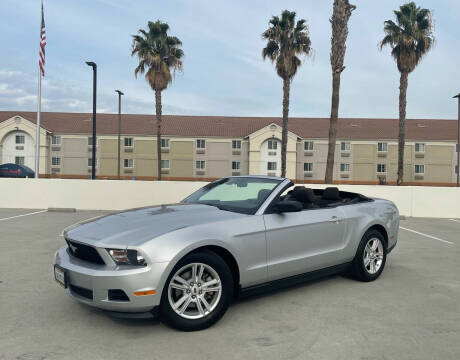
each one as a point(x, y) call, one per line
point(60, 276)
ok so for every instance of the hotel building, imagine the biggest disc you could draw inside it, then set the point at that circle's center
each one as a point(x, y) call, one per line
point(209, 147)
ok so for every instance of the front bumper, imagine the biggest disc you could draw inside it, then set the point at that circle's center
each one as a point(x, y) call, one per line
point(85, 279)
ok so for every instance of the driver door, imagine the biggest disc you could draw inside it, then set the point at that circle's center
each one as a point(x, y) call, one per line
point(299, 242)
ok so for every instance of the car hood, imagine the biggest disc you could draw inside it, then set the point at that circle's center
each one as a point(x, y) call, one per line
point(133, 227)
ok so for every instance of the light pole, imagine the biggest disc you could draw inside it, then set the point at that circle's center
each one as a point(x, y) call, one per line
point(119, 128)
point(93, 162)
point(458, 142)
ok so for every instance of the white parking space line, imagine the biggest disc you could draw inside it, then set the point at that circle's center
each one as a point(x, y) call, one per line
point(455, 220)
point(18, 216)
point(428, 236)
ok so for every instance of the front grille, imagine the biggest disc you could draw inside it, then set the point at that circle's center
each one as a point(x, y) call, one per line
point(86, 293)
point(85, 252)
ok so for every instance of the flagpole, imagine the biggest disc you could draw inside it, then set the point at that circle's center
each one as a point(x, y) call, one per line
point(37, 142)
point(41, 65)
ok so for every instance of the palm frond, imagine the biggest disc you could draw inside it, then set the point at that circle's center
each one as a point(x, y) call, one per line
point(286, 40)
point(159, 54)
point(410, 37)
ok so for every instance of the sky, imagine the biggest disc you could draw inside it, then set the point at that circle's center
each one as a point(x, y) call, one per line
point(224, 73)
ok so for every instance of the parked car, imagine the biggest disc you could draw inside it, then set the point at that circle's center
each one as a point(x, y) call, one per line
point(186, 262)
point(16, 171)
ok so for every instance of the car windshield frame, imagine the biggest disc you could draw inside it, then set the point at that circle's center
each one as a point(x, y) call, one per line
point(247, 206)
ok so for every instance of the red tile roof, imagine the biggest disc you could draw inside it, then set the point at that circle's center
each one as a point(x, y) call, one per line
point(238, 127)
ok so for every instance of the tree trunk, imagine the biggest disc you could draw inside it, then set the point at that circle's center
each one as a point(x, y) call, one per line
point(158, 113)
point(402, 125)
point(341, 13)
point(333, 127)
point(286, 89)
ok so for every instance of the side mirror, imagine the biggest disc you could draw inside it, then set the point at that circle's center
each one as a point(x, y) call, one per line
point(287, 206)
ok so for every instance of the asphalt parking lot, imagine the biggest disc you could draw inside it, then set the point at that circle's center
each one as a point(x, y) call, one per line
point(411, 312)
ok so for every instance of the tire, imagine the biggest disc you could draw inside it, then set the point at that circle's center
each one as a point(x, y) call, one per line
point(198, 306)
point(369, 261)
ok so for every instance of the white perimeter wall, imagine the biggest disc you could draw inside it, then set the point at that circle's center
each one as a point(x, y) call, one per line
point(414, 201)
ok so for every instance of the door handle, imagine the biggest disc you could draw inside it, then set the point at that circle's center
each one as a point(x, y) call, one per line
point(335, 220)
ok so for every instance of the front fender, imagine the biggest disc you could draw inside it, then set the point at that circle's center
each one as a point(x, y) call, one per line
point(181, 253)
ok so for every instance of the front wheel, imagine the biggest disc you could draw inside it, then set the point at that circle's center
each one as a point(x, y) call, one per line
point(197, 293)
point(370, 257)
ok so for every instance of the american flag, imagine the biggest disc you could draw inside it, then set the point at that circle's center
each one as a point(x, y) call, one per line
point(41, 60)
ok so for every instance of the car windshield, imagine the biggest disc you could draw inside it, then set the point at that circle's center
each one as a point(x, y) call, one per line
point(238, 194)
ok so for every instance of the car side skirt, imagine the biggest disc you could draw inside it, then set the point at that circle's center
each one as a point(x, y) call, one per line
point(291, 280)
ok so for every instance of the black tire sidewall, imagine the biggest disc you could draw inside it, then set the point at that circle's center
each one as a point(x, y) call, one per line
point(359, 270)
point(169, 316)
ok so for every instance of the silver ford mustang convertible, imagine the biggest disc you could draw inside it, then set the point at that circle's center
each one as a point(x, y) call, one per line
point(186, 262)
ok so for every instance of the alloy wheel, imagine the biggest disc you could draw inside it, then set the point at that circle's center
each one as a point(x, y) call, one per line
point(373, 255)
point(194, 291)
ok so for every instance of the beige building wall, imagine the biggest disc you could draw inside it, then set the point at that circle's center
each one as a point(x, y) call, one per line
point(74, 155)
point(259, 137)
point(108, 156)
point(438, 163)
point(18, 123)
point(319, 159)
point(180, 158)
point(439, 158)
point(219, 156)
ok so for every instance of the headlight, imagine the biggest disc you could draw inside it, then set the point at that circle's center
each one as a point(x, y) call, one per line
point(127, 257)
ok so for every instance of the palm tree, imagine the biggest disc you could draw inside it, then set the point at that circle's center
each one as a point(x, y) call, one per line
point(341, 14)
point(286, 40)
point(159, 57)
point(410, 38)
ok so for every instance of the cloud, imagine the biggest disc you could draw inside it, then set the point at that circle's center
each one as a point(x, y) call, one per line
point(5, 90)
point(224, 73)
point(9, 73)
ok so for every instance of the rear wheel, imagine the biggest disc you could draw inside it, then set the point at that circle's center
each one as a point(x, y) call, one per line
point(197, 293)
point(370, 257)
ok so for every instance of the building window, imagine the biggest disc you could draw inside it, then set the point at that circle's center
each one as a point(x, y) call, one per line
point(308, 145)
point(128, 163)
point(236, 165)
point(165, 143)
point(345, 146)
point(20, 139)
point(200, 164)
point(272, 144)
point(420, 169)
point(90, 162)
point(382, 147)
point(129, 142)
point(55, 161)
point(236, 144)
point(456, 169)
point(90, 140)
point(19, 160)
point(165, 164)
point(271, 166)
point(456, 147)
point(345, 167)
point(201, 144)
point(419, 147)
point(56, 140)
point(381, 168)
point(308, 167)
